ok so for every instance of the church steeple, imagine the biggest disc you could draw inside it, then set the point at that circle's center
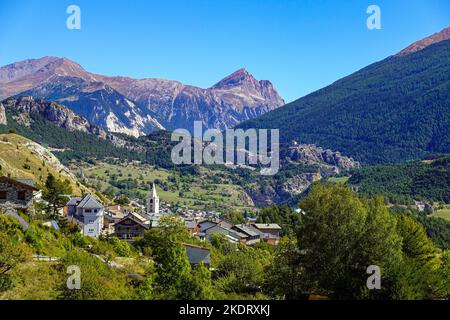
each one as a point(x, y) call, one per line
point(153, 202)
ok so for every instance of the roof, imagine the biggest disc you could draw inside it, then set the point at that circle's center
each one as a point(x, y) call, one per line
point(248, 229)
point(190, 224)
point(231, 232)
point(89, 202)
point(154, 194)
point(136, 218)
point(267, 226)
point(18, 182)
point(29, 182)
point(74, 201)
point(220, 222)
point(55, 225)
point(197, 254)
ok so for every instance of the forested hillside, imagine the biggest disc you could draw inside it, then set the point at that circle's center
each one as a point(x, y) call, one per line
point(428, 179)
point(394, 110)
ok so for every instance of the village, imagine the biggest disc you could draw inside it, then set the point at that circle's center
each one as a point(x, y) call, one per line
point(96, 220)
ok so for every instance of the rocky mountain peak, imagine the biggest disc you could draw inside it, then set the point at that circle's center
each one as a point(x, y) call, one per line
point(428, 41)
point(236, 79)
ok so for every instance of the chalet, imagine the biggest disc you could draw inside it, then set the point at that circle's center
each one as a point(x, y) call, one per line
point(88, 213)
point(112, 215)
point(197, 255)
point(17, 194)
point(232, 235)
point(206, 224)
point(271, 232)
point(132, 226)
point(253, 235)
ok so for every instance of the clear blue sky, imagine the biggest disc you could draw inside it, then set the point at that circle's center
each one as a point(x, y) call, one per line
point(300, 45)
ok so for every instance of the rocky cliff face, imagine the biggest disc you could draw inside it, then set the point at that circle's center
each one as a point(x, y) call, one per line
point(98, 103)
point(317, 163)
point(65, 118)
point(139, 106)
point(22, 109)
point(311, 154)
point(2, 115)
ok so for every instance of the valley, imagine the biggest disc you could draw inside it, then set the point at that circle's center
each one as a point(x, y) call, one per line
point(202, 191)
point(88, 179)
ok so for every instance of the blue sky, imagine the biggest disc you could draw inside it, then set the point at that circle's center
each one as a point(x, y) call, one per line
point(300, 45)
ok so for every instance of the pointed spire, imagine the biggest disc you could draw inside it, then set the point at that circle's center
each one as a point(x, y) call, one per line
point(154, 194)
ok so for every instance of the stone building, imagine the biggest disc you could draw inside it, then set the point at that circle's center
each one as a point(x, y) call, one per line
point(17, 194)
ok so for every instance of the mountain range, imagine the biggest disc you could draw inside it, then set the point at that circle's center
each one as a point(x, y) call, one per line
point(139, 106)
point(394, 110)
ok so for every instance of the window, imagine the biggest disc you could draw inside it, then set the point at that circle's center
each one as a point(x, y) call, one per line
point(88, 211)
point(21, 195)
point(3, 195)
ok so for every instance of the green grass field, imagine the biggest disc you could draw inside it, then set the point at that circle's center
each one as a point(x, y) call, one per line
point(339, 180)
point(444, 214)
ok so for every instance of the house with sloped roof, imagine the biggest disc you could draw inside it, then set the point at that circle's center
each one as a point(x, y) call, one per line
point(197, 255)
point(271, 232)
point(253, 234)
point(17, 194)
point(131, 227)
point(232, 235)
point(87, 213)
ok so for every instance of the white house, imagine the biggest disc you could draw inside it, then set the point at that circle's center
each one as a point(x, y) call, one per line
point(88, 213)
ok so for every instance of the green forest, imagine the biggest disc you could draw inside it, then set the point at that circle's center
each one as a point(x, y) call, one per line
point(402, 183)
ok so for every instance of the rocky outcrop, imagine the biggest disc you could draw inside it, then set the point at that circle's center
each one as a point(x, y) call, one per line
point(21, 110)
point(313, 163)
point(311, 154)
point(3, 115)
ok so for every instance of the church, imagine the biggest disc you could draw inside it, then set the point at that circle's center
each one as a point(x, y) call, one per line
point(153, 203)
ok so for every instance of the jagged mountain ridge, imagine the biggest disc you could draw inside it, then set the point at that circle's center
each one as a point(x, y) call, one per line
point(139, 106)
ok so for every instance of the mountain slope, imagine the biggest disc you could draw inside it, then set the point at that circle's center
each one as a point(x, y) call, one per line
point(390, 111)
point(23, 158)
point(69, 135)
point(97, 102)
point(139, 106)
